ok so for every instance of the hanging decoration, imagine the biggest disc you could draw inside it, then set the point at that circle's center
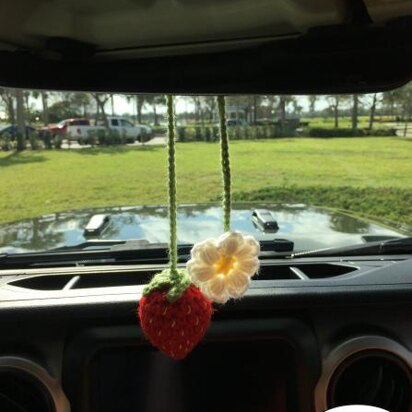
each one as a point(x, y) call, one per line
point(176, 306)
point(174, 314)
point(222, 267)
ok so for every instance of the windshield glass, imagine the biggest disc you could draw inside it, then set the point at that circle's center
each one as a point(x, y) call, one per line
point(320, 171)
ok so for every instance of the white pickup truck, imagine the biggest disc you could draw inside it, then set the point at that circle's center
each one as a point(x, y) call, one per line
point(126, 129)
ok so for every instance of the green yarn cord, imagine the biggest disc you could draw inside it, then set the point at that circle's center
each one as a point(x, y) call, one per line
point(171, 161)
point(225, 164)
point(174, 280)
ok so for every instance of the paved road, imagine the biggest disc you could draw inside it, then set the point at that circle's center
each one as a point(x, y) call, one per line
point(157, 140)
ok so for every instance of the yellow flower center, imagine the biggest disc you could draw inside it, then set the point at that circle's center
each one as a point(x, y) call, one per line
point(225, 264)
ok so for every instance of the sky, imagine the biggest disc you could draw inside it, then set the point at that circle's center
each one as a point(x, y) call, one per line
point(184, 105)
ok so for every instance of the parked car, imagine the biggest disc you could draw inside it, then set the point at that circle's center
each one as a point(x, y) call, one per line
point(124, 127)
point(127, 128)
point(147, 133)
point(324, 324)
point(236, 122)
point(62, 127)
point(11, 129)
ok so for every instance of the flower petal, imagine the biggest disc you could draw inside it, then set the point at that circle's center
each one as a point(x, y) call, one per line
point(248, 266)
point(206, 251)
point(237, 283)
point(215, 289)
point(199, 272)
point(229, 243)
point(250, 248)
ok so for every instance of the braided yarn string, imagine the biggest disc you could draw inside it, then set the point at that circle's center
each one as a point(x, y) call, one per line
point(225, 164)
point(174, 280)
point(171, 161)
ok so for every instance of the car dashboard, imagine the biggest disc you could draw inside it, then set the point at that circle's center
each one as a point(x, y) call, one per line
point(310, 334)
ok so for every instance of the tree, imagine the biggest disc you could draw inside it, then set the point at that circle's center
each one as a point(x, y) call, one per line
point(101, 100)
point(60, 110)
point(257, 100)
point(269, 105)
point(79, 100)
point(210, 106)
point(26, 96)
point(404, 98)
point(8, 96)
point(312, 104)
point(335, 101)
point(297, 108)
point(390, 100)
point(21, 127)
point(140, 99)
point(373, 110)
point(197, 101)
point(154, 100)
point(282, 110)
point(45, 108)
point(355, 111)
point(112, 103)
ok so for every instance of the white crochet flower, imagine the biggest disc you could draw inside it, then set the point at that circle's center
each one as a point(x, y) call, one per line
point(222, 267)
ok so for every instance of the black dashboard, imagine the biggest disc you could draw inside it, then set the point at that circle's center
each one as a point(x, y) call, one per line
point(310, 334)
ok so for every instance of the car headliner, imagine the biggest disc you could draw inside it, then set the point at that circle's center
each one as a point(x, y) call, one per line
point(225, 46)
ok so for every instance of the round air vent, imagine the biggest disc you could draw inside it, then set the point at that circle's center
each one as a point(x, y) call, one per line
point(372, 377)
point(371, 370)
point(25, 386)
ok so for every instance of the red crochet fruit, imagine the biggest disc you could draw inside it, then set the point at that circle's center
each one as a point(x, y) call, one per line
point(175, 328)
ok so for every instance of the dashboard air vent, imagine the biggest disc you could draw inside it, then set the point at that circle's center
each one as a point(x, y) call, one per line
point(20, 392)
point(372, 377)
point(26, 386)
point(133, 278)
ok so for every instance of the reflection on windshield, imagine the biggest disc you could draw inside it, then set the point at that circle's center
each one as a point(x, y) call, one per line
point(308, 227)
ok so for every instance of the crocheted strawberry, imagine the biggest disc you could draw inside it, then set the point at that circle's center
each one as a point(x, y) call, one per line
point(176, 327)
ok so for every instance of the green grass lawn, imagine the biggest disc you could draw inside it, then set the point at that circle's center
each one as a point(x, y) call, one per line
point(371, 176)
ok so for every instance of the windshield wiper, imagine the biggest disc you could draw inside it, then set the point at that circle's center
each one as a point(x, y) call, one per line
point(103, 252)
point(387, 247)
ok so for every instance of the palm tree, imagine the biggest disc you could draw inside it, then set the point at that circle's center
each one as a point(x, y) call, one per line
point(44, 102)
point(139, 106)
point(155, 100)
point(139, 101)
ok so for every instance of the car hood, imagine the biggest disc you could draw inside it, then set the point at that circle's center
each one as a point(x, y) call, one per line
point(308, 227)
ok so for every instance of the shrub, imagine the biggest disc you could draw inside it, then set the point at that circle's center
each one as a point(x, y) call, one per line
point(198, 133)
point(57, 141)
point(215, 133)
point(208, 134)
point(91, 138)
point(181, 134)
point(110, 137)
point(382, 132)
point(47, 139)
point(35, 143)
point(6, 142)
point(159, 130)
point(346, 132)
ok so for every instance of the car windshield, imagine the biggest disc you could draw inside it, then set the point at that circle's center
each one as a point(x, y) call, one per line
point(319, 171)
